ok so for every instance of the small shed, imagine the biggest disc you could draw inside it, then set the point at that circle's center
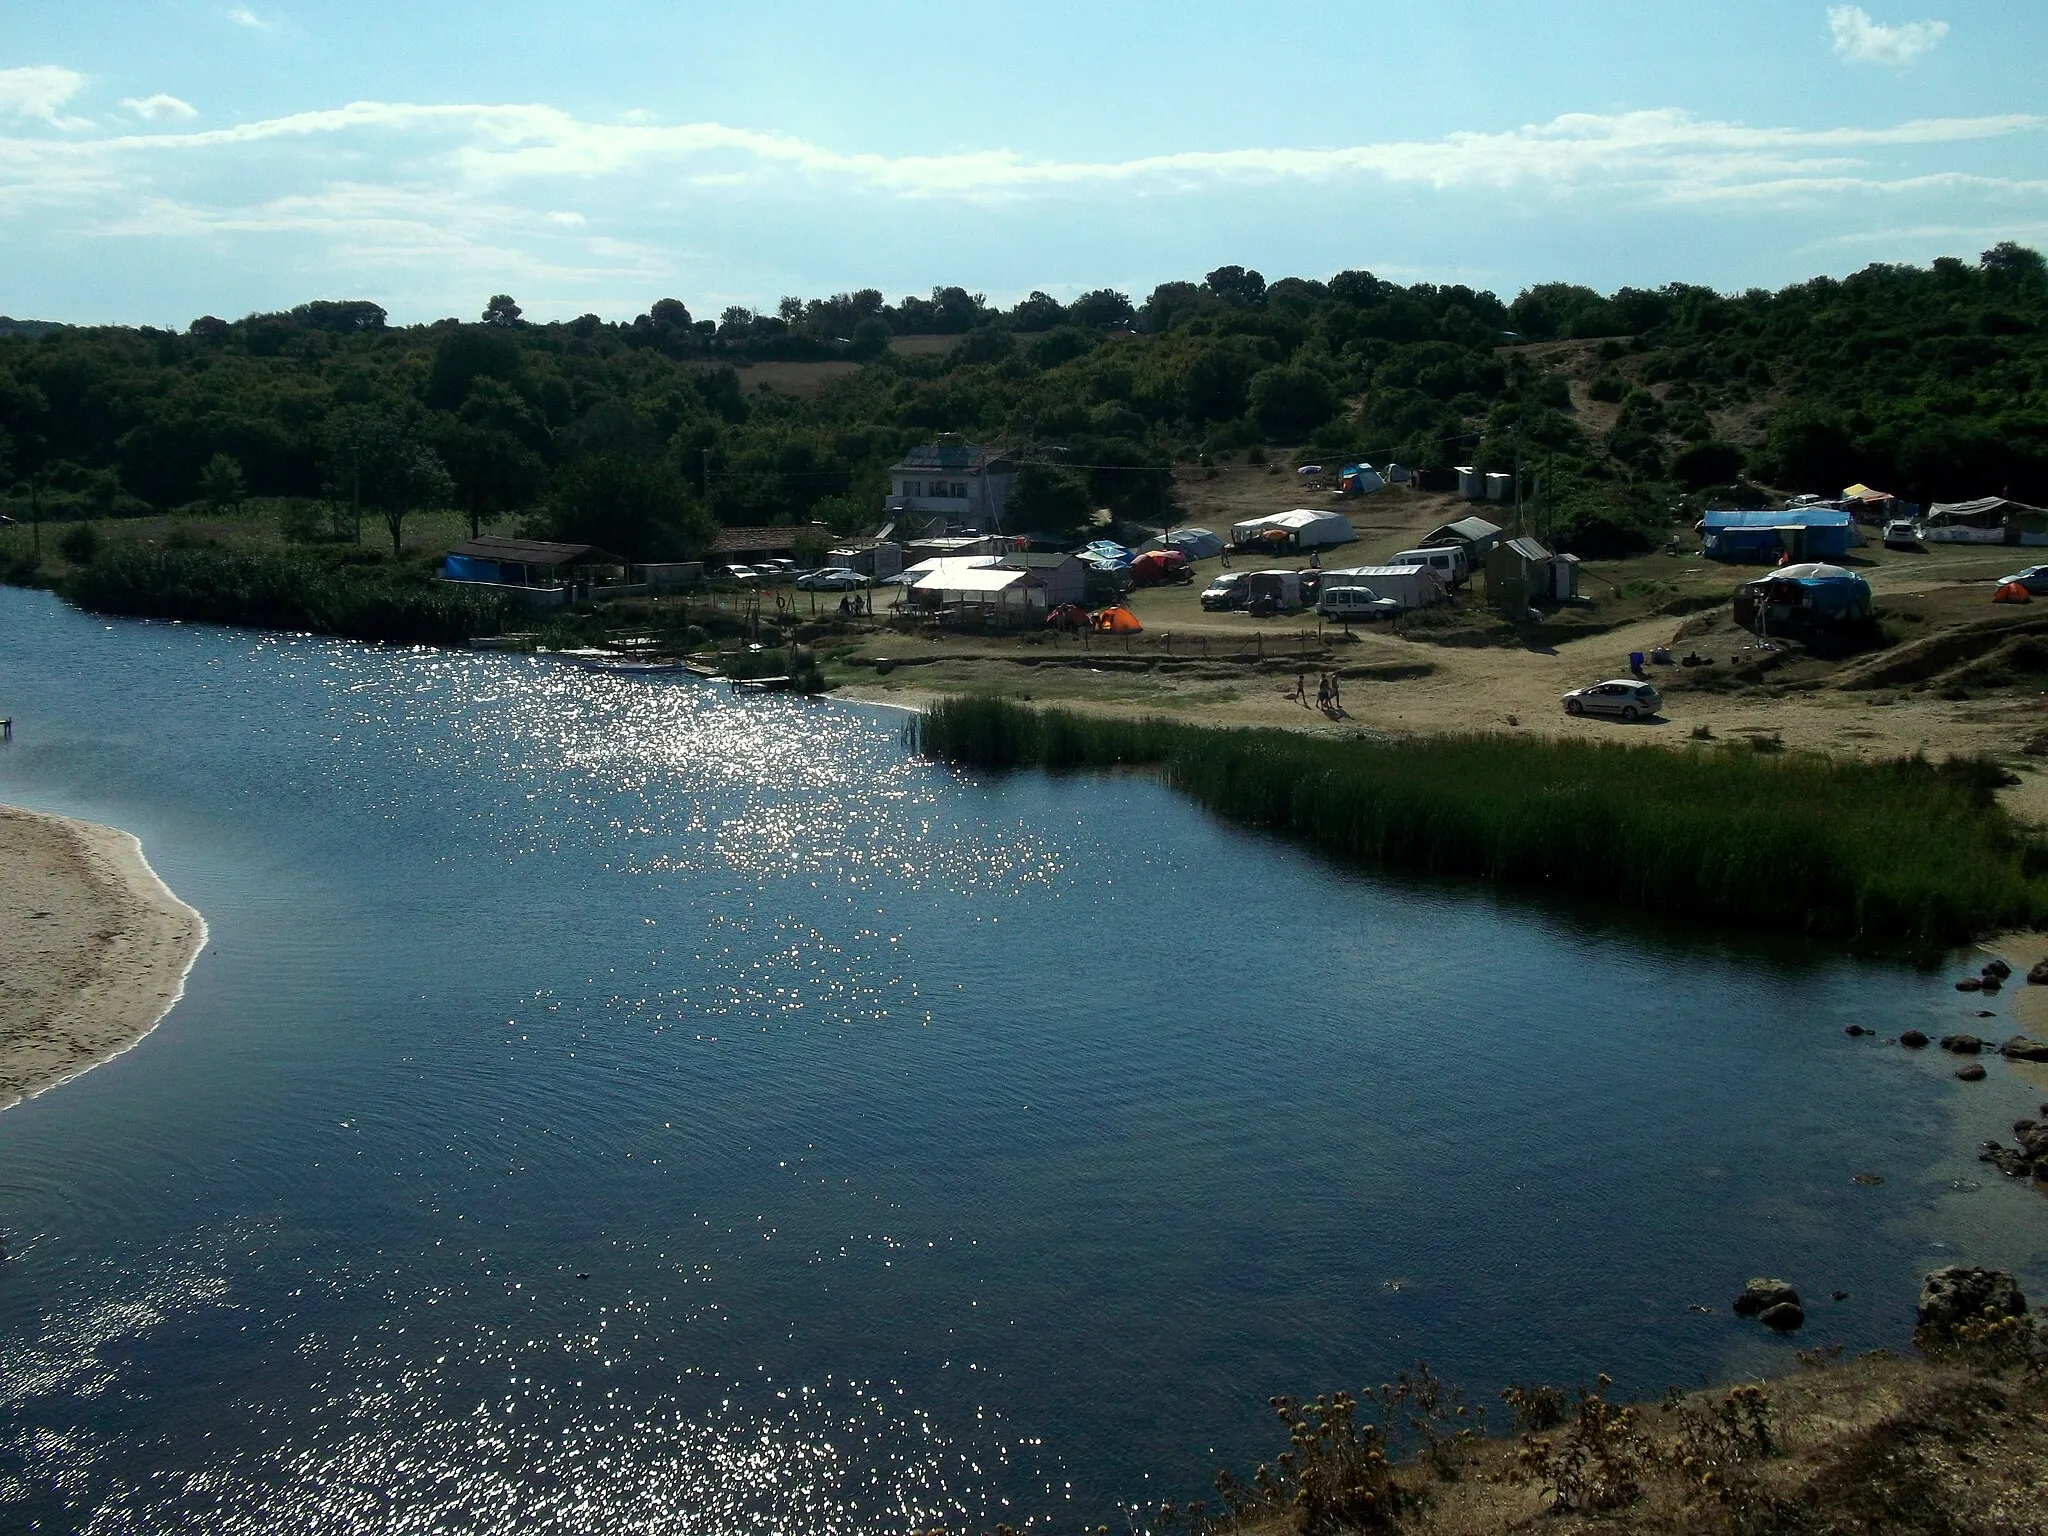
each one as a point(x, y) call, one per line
point(1474, 535)
point(1760, 537)
point(1500, 486)
point(1063, 577)
point(1471, 484)
point(1520, 573)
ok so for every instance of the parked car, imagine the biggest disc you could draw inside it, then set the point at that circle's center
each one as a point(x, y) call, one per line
point(2034, 578)
point(1354, 604)
point(833, 578)
point(1624, 697)
point(740, 573)
point(776, 571)
point(1227, 591)
point(1900, 533)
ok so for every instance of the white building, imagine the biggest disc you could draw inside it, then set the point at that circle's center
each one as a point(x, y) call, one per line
point(952, 483)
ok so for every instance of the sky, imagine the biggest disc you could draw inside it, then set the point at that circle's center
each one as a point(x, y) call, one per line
point(163, 159)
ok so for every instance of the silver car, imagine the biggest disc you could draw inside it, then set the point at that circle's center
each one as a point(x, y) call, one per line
point(1625, 698)
point(2034, 578)
point(834, 578)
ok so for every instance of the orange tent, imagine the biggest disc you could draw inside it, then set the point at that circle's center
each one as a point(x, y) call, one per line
point(1118, 621)
point(2012, 592)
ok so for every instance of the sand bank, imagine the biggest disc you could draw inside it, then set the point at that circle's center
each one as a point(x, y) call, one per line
point(94, 949)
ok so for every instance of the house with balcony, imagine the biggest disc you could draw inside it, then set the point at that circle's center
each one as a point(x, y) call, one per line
point(950, 484)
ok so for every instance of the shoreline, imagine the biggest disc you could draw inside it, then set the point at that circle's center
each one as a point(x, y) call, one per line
point(99, 949)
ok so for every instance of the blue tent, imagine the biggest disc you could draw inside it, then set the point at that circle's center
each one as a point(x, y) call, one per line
point(1758, 538)
point(1806, 591)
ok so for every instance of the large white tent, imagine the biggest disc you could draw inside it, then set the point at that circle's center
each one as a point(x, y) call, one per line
point(1309, 529)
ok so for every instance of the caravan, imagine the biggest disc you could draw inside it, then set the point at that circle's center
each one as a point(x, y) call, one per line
point(1447, 560)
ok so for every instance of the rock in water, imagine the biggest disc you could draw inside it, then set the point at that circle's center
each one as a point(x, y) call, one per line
point(1970, 984)
point(1784, 1317)
point(1760, 1295)
point(1912, 1039)
point(2039, 974)
point(1962, 1045)
point(1950, 1296)
point(1971, 1074)
point(2020, 1048)
point(1854, 1030)
point(1997, 967)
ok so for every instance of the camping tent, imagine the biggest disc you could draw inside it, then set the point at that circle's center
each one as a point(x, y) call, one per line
point(1157, 565)
point(1117, 620)
point(1195, 543)
point(1804, 592)
point(1987, 520)
point(1304, 528)
point(1757, 538)
point(1360, 480)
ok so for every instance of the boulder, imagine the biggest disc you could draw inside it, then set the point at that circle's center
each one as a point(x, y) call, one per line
point(1949, 1296)
point(2020, 1048)
point(2039, 974)
point(1784, 1317)
point(1997, 967)
point(1761, 1294)
point(1971, 1074)
point(1912, 1039)
point(1962, 1045)
point(1854, 1030)
point(1970, 984)
point(1989, 984)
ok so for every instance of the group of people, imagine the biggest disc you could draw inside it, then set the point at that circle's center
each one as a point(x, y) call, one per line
point(854, 604)
point(1329, 692)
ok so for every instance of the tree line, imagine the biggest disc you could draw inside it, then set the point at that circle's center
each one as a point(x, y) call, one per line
point(638, 435)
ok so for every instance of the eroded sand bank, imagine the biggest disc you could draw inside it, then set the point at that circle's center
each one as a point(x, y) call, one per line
point(94, 949)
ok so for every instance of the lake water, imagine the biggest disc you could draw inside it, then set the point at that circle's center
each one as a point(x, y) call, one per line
point(614, 1106)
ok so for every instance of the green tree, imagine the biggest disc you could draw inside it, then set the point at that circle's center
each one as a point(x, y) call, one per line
point(221, 485)
point(1291, 401)
point(502, 310)
point(1048, 503)
point(637, 508)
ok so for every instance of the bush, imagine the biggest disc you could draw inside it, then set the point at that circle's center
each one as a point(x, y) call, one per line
point(269, 592)
point(80, 544)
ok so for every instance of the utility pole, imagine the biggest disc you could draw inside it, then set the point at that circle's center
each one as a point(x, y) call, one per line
point(1519, 529)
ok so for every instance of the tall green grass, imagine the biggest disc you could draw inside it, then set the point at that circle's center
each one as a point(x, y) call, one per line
point(281, 592)
point(1903, 853)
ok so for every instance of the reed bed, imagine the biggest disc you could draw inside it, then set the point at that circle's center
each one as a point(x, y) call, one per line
point(279, 592)
point(1900, 854)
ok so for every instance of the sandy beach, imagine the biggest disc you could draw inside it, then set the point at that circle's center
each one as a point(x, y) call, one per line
point(94, 949)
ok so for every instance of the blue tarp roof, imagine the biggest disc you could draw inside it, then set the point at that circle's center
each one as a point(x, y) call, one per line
point(1790, 517)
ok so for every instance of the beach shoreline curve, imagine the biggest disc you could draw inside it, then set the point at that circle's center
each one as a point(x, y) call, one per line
point(99, 949)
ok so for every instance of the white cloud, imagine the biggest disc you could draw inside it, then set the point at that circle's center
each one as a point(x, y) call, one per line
point(242, 16)
point(1864, 41)
point(38, 91)
point(432, 196)
point(160, 108)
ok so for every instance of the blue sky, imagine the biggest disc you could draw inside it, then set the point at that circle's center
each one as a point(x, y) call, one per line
point(160, 159)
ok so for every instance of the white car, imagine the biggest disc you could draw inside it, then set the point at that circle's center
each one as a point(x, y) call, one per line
point(1900, 533)
point(834, 578)
point(740, 573)
point(1625, 698)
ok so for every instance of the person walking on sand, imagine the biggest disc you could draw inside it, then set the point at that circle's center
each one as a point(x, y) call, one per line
point(1323, 693)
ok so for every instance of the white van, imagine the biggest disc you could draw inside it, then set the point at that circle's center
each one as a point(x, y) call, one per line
point(1354, 605)
point(1447, 560)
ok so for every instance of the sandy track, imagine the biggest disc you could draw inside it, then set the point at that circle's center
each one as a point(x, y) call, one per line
point(94, 949)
